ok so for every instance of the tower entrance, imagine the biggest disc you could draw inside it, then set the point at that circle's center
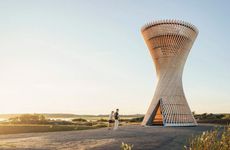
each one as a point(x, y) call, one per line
point(158, 118)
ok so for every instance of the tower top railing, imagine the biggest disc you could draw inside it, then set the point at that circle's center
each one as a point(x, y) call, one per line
point(170, 21)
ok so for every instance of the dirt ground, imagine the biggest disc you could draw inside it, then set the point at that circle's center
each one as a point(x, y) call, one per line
point(143, 138)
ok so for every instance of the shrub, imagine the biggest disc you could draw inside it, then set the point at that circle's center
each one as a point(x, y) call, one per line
point(83, 123)
point(125, 146)
point(29, 119)
point(124, 120)
point(102, 120)
point(206, 116)
point(139, 119)
point(79, 120)
point(211, 140)
point(226, 116)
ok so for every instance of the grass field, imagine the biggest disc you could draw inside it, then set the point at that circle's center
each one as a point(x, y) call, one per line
point(41, 123)
point(26, 123)
point(26, 128)
point(69, 116)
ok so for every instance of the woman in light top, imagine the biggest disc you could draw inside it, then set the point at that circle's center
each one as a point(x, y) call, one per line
point(110, 124)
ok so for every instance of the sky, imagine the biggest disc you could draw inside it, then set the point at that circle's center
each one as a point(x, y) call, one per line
point(88, 57)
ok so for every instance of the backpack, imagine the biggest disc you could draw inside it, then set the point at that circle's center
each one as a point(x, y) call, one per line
point(116, 115)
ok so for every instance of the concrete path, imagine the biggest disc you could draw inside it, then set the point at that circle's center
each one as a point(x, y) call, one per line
point(143, 138)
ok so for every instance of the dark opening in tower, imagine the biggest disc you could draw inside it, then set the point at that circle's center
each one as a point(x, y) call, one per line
point(158, 118)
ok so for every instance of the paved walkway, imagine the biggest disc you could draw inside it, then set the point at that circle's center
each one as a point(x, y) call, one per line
point(146, 138)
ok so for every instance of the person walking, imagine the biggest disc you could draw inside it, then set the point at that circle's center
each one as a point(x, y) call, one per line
point(110, 123)
point(116, 117)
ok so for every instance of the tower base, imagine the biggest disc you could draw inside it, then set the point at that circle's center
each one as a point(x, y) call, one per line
point(167, 113)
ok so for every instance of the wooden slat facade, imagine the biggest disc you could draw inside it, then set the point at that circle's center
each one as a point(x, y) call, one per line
point(169, 43)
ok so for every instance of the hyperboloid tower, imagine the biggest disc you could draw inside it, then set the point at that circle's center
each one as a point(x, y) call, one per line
point(169, 43)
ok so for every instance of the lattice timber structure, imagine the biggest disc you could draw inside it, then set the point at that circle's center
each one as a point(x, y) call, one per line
point(169, 43)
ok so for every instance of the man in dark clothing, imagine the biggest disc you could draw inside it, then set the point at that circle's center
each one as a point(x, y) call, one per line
point(116, 117)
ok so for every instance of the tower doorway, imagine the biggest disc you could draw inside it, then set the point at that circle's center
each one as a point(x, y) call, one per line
point(158, 118)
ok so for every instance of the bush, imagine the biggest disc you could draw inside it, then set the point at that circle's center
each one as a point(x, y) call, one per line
point(211, 140)
point(102, 120)
point(29, 119)
point(124, 120)
point(227, 116)
point(79, 120)
point(83, 123)
point(139, 119)
point(125, 146)
point(206, 116)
